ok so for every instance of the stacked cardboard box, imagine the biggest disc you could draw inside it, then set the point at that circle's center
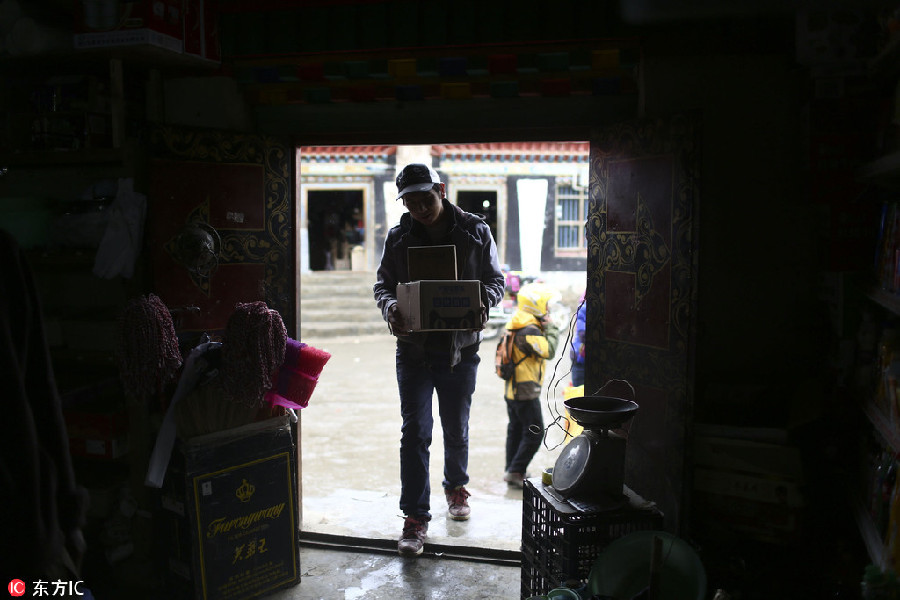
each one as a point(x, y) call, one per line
point(227, 525)
point(97, 421)
point(431, 305)
point(105, 23)
point(749, 488)
point(187, 27)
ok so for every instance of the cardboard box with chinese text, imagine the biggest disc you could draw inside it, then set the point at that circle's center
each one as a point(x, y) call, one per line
point(749, 488)
point(227, 514)
point(440, 305)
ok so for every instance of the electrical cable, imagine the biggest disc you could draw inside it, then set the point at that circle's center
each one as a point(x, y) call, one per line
point(554, 413)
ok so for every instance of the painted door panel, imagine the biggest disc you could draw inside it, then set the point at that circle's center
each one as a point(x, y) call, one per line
point(241, 185)
point(641, 294)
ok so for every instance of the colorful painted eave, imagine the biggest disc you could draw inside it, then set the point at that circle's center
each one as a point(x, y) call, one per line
point(514, 152)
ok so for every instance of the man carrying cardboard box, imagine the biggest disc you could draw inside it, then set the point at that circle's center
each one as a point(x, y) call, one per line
point(443, 361)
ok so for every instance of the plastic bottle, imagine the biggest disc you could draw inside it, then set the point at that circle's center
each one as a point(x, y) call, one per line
point(873, 584)
point(892, 586)
point(886, 347)
point(892, 535)
point(878, 585)
point(866, 352)
point(579, 587)
point(887, 488)
point(875, 497)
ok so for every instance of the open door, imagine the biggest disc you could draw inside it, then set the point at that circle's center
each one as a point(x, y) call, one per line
point(641, 293)
point(336, 225)
point(239, 187)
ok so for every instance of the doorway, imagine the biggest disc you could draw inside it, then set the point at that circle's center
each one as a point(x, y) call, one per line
point(351, 428)
point(336, 226)
point(484, 203)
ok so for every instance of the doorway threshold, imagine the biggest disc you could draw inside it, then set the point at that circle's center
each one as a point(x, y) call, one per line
point(494, 556)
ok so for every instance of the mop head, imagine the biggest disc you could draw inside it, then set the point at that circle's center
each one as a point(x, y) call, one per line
point(148, 354)
point(253, 350)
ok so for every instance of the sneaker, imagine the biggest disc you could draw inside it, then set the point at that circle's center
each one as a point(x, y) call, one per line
point(516, 480)
point(413, 538)
point(458, 507)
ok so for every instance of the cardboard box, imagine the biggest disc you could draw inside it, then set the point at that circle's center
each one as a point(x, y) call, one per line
point(747, 487)
point(102, 448)
point(130, 37)
point(201, 30)
point(431, 262)
point(97, 421)
point(164, 16)
point(227, 517)
point(440, 305)
point(726, 517)
point(105, 23)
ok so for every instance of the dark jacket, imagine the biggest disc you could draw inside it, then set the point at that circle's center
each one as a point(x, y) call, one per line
point(43, 508)
point(476, 258)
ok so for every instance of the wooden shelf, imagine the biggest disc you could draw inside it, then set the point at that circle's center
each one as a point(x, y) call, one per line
point(65, 359)
point(62, 258)
point(872, 540)
point(882, 425)
point(145, 56)
point(886, 300)
point(883, 172)
point(97, 156)
point(886, 65)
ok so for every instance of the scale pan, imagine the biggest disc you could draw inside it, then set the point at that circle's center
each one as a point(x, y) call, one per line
point(603, 412)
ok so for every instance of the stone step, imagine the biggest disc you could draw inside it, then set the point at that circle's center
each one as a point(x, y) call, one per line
point(339, 303)
point(336, 283)
point(327, 314)
point(330, 329)
point(331, 302)
point(317, 292)
point(339, 277)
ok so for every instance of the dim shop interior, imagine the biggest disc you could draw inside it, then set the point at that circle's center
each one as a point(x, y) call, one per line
point(780, 348)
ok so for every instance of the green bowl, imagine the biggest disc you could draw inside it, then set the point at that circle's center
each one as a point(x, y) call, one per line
point(622, 569)
point(563, 594)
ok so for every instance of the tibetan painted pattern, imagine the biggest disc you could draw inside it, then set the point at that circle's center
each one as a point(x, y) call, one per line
point(271, 246)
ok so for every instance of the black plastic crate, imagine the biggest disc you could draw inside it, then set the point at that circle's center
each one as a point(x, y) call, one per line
point(561, 542)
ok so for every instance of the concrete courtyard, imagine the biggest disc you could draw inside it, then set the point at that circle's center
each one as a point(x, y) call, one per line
point(350, 435)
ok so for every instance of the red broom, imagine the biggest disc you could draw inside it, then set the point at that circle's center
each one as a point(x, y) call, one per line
point(296, 381)
point(312, 361)
point(292, 352)
point(295, 387)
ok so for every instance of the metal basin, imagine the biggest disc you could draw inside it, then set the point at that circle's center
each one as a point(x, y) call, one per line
point(600, 412)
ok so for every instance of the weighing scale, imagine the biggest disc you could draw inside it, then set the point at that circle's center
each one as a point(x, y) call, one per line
point(592, 465)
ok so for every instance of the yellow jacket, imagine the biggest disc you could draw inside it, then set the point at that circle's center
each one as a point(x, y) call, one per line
point(535, 343)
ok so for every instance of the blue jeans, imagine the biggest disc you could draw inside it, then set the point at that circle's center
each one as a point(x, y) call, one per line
point(418, 377)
